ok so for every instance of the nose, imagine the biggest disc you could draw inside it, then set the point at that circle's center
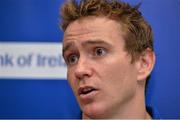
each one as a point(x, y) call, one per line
point(83, 69)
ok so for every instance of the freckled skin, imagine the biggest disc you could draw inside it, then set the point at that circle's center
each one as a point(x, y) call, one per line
point(112, 73)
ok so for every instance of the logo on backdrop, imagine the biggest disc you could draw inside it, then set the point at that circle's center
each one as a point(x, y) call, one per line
point(32, 60)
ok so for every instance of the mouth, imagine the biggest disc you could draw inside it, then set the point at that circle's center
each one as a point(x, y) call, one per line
point(87, 92)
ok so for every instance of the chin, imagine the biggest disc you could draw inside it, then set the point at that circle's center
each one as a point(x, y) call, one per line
point(94, 111)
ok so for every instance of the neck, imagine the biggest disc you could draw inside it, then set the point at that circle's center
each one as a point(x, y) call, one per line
point(146, 116)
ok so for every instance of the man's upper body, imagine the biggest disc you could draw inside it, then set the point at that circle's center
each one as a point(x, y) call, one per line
point(108, 49)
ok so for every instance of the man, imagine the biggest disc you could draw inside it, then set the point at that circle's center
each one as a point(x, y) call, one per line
point(108, 49)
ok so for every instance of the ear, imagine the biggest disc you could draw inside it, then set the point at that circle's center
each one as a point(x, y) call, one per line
point(145, 64)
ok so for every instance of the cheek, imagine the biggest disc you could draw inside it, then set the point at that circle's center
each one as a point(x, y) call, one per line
point(115, 75)
point(118, 74)
point(71, 79)
point(114, 69)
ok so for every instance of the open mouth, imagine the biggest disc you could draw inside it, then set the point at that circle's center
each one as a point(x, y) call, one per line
point(86, 90)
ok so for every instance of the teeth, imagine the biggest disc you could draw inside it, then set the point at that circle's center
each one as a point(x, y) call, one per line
point(87, 90)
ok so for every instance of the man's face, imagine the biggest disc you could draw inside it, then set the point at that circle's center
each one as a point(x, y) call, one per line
point(100, 71)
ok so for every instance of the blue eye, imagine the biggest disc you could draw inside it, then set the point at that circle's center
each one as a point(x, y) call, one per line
point(100, 51)
point(72, 59)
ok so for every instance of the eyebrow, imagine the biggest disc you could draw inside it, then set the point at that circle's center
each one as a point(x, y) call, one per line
point(88, 42)
point(67, 46)
point(96, 41)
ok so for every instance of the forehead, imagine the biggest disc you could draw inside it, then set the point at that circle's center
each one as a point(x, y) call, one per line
point(89, 21)
point(92, 24)
point(93, 28)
